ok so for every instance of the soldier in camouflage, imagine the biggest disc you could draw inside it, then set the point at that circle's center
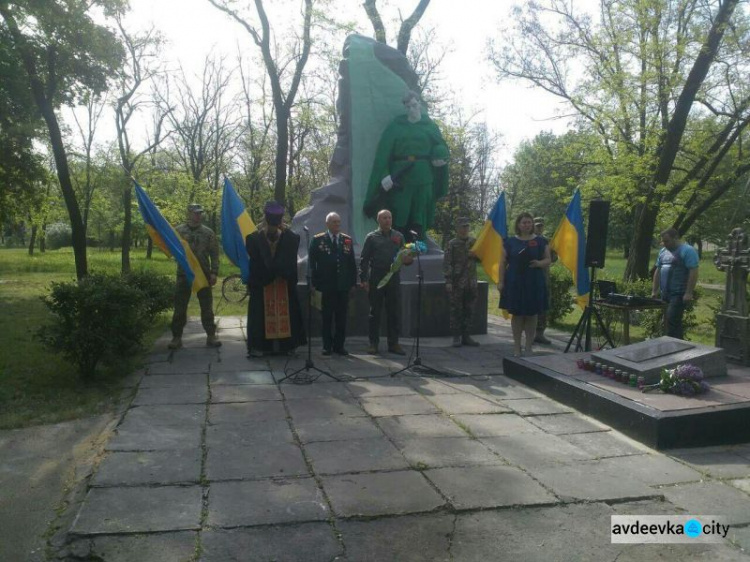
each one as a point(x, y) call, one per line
point(205, 246)
point(460, 269)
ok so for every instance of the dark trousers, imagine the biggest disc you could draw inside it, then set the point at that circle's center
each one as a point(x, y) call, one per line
point(333, 313)
point(391, 296)
point(182, 298)
point(675, 310)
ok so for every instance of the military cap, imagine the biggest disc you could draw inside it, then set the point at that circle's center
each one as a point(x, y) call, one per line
point(463, 221)
point(195, 208)
point(538, 220)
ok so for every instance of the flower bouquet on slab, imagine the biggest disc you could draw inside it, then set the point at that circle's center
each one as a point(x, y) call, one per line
point(683, 380)
point(409, 250)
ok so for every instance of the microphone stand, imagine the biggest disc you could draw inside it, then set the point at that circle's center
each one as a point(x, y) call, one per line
point(415, 365)
point(298, 377)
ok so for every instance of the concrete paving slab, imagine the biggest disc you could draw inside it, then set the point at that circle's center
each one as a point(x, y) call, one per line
point(654, 469)
point(179, 546)
point(476, 487)
point(245, 412)
point(430, 387)
point(710, 498)
point(590, 481)
point(319, 389)
point(686, 552)
point(241, 377)
point(569, 533)
point(380, 493)
point(139, 510)
point(265, 502)
point(244, 393)
point(605, 444)
point(404, 428)
point(337, 429)
point(226, 436)
point(380, 387)
point(536, 406)
point(162, 437)
point(498, 387)
point(452, 404)
point(410, 538)
point(566, 424)
point(355, 455)
point(717, 464)
point(656, 506)
point(149, 467)
point(307, 542)
point(171, 395)
point(179, 368)
point(165, 381)
point(238, 363)
point(742, 484)
point(303, 411)
point(447, 451)
point(259, 460)
point(191, 415)
point(379, 406)
point(495, 425)
point(535, 449)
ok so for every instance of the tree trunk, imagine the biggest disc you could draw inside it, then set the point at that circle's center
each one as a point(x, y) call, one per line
point(149, 248)
point(127, 197)
point(32, 241)
point(282, 150)
point(640, 245)
point(43, 239)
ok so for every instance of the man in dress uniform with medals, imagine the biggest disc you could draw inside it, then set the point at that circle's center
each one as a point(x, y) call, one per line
point(334, 273)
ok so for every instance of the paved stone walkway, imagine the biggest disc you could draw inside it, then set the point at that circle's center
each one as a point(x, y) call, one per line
point(216, 461)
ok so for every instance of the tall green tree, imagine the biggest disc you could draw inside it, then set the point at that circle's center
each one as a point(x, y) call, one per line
point(638, 75)
point(63, 52)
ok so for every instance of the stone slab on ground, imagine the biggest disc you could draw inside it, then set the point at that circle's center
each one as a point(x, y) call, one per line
point(605, 444)
point(410, 538)
point(139, 510)
point(380, 387)
point(652, 469)
point(536, 406)
point(183, 394)
point(447, 451)
point(355, 455)
point(241, 377)
point(161, 381)
point(379, 406)
point(384, 493)
point(317, 390)
point(303, 411)
point(181, 368)
point(265, 502)
point(149, 467)
point(720, 464)
point(244, 393)
point(479, 487)
point(453, 404)
point(710, 498)
point(306, 542)
point(145, 437)
point(401, 428)
point(535, 449)
point(227, 435)
point(566, 424)
point(495, 425)
point(246, 412)
point(259, 460)
point(179, 546)
point(337, 429)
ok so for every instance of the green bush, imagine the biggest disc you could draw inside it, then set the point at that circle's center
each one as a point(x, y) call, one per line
point(102, 318)
point(58, 235)
point(562, 301)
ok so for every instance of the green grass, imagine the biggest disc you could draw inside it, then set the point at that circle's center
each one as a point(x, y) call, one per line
point(37, 386)
point(615, 267)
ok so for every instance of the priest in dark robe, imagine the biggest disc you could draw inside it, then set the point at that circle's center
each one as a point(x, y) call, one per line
point(274, 316)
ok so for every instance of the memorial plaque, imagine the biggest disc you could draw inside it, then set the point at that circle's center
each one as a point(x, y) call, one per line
point(651, 357)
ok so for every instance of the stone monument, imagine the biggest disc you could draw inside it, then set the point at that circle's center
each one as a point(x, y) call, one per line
point(732, 323)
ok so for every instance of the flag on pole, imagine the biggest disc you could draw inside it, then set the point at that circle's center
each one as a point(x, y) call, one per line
point(236, 224)
point(569, 242)
point(169, 241)
point(489, 245)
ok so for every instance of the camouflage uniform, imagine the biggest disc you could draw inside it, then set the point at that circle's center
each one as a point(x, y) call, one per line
point(205, 246)
point(460, 270)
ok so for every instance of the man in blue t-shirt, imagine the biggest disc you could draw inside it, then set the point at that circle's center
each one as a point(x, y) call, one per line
point(675, 277)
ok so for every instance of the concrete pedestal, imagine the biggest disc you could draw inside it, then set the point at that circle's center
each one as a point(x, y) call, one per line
point(733, 335)
point(435, 311)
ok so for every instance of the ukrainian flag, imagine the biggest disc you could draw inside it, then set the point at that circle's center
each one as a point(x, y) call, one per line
point(236, 224)
point(489, 245)
point(171, 243)
point(569, 242)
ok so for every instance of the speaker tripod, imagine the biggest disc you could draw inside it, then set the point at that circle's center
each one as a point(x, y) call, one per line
point(584, 324)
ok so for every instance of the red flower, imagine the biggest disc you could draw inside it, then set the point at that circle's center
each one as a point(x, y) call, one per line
point(347, 241)
point(533, 243)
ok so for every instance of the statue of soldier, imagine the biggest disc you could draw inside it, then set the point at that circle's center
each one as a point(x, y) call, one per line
point(460, 269)
point(205, 246)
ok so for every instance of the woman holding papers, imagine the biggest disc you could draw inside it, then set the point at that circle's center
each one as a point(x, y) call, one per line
point(523, 290)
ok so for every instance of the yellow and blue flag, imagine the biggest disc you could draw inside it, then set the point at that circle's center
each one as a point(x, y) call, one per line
point(489, 245)
point(569, 242)
point(169, 241)
point(236, 225)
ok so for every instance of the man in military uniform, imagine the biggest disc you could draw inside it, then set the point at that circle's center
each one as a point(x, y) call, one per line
point(541, 319)
point(334, 273)
point(460, 269)
point(203, 243)
point(378, 251)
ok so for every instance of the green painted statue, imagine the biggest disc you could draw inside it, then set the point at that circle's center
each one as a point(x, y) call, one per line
point(410, 170)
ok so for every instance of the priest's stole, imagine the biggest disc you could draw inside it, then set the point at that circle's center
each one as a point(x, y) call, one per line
point(276, 306)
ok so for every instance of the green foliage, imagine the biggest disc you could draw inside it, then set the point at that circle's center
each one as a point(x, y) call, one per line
point(59, 236)
point(562, 301)
point(103, 318)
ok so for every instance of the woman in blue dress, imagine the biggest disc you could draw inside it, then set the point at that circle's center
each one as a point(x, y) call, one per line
point(523, 290)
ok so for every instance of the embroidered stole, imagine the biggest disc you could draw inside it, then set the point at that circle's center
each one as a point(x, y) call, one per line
point(276, 304)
